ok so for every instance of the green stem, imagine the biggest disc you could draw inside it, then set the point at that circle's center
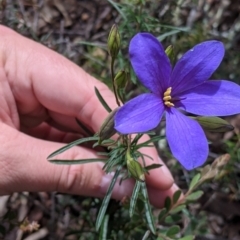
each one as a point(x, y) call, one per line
point(114, 87)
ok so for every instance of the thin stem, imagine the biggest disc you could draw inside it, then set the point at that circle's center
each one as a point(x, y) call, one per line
point(114, 87)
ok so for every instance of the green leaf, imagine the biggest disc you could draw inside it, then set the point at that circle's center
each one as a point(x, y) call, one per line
point(115, 5)
point(102, 101)
point(134, 198)
point(176, 196)
point(194, 181)
point(152, 166)
point(72, 144)
point(146, 235)
point(151, 140)
point(177, 209)
point(136, 139)
point(167, 203)
point(173, 219)
point(78, 161)
point(172, 231)
point(106, 199)
point(148, 210)
point(190, 237)
point(194, 196)
point(162, 214)
point(85, 128)
point(104, 228)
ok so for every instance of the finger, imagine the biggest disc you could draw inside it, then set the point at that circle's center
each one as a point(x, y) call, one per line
point(157, 197)
point(47, 132)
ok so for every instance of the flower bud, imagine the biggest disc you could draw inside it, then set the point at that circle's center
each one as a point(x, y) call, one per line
point(107, 129)
point(134, 168)
point(120, 79)
point(113, 41)
point(214, 124)
point(170, 53)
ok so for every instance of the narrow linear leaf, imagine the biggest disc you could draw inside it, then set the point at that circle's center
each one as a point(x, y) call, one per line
point(106, 199)
point(102, 153)
point(115, 5)
point(151, 140)
point(136, 139)
point(78, 161)
point(85, 128)
point(102, 101)
point(194, 181)
point(148, 210)
point(172, 231)
point(104, 228)
point(167, 34)
point(152, 166)
point(134, 198)
point(194, 196)
point(146, 235)
point(167, 203)
point(142, 156)
point(93, 44)
point(72, 144)
point(176, 196)
point(113, 161)
point(104, 143)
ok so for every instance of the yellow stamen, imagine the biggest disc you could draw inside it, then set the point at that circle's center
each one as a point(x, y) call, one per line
point(167, 97)
point(168, 92)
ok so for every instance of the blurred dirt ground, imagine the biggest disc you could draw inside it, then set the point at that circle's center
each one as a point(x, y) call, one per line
point(70, 27)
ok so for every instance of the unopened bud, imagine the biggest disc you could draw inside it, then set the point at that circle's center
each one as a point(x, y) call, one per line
point(214, 124)
point(107, 129)
point(113, 41)
point(134, 168)
point(170, 52)
point(120, 79)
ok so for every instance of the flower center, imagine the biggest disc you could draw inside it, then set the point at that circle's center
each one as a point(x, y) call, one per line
point(167, 98)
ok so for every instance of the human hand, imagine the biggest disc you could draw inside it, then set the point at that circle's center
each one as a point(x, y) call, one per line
point(41, 94)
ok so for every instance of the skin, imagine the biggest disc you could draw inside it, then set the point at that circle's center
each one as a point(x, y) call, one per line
point(41, 94)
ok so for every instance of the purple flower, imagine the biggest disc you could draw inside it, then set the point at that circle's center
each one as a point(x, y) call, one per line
point(185, 87)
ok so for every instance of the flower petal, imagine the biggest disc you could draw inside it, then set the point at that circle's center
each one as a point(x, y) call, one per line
point(212, 98)
point(186, 139)
point(196, 66)
point(140, 114)
point(150, 62)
